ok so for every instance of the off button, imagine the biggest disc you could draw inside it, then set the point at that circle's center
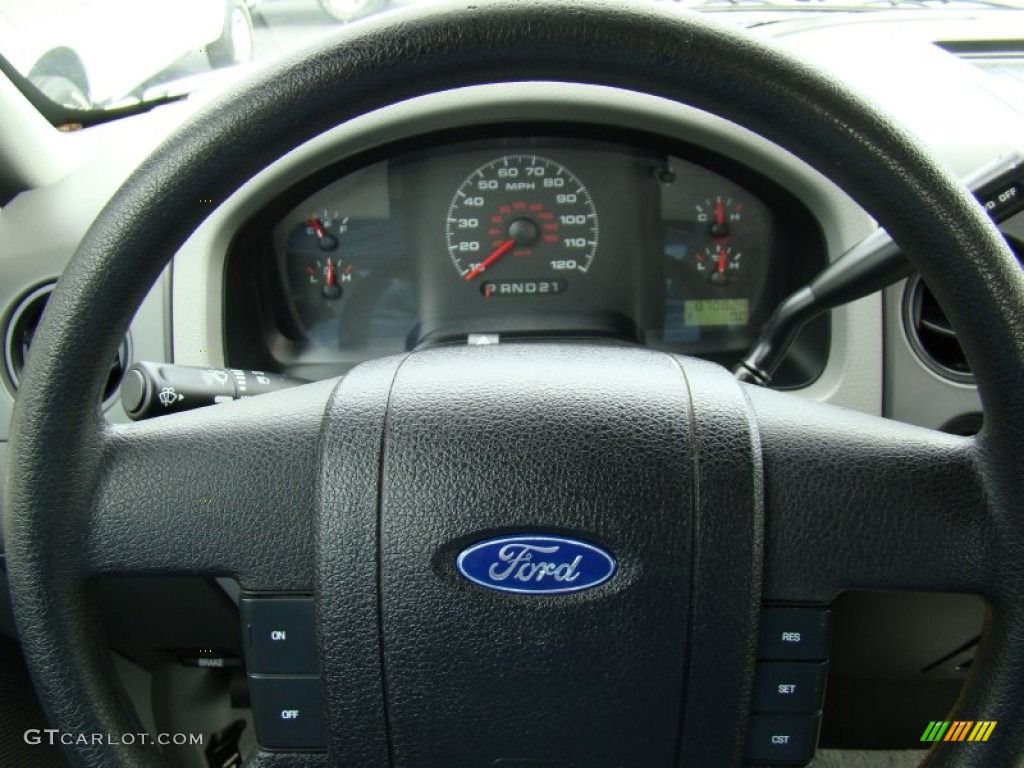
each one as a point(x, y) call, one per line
point(288, 712)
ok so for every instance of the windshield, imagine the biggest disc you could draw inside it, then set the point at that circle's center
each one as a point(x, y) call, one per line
point(106, 54)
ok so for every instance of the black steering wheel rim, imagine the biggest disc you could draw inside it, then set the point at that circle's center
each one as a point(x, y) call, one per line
point(643, 48)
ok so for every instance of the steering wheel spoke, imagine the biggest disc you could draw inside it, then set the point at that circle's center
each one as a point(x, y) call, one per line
point(221, 491)
point(857, 501)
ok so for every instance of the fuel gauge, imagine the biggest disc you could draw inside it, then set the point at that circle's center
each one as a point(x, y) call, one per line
point(325, 228)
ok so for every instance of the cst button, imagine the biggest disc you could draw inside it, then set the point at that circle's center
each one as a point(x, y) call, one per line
point(782, 740)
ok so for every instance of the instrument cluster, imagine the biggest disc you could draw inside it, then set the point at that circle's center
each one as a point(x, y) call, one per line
point(502, 239)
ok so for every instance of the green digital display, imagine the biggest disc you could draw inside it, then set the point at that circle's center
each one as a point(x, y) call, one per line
point(708, 312)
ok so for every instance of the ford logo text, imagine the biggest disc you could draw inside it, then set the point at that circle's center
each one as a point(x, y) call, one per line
point(543, 565)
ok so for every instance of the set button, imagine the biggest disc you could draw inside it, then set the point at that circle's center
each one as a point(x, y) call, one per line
point(781, 686)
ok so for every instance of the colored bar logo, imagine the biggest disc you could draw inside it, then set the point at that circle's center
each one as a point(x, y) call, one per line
point(958, 730)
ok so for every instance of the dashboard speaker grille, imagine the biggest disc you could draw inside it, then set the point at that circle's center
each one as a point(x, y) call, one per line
point(21, 327)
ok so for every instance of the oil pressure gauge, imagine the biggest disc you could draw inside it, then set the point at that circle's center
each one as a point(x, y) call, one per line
point(719, 263)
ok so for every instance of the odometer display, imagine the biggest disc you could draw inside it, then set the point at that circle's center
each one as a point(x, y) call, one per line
point(717, 312)
point(521, 217)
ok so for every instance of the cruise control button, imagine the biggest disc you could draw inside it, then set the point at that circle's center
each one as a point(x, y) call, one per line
point(798, 634)
point(279, 635)
point(288, 712)
point(788, 686)
point(782, 739)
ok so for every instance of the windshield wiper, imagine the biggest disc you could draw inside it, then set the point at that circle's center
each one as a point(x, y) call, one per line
point(68, 118)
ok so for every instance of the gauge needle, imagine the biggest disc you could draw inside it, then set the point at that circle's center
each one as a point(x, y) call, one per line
point(721, 260)
point(330, 277)
point(501, 251)
point(719, 211)
point(318, 228)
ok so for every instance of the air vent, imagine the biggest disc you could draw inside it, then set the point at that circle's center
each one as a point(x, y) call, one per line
point(930, 332)
point(21, 327)
point(932, 335)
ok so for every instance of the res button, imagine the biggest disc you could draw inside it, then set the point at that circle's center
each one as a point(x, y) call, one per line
point(793, 634)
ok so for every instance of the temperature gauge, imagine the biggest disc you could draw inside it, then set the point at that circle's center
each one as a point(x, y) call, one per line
point(719, 216)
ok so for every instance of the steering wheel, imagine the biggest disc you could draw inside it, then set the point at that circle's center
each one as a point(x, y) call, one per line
point(714, 497)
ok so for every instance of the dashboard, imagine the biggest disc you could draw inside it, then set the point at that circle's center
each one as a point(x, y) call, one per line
point(534, 233)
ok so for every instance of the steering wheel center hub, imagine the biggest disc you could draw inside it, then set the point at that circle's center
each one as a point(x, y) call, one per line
point(552, 467)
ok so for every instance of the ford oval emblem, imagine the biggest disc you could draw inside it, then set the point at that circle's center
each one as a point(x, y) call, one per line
point(536, 565)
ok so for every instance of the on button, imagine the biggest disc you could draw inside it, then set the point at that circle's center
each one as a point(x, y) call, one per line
point(279, 635)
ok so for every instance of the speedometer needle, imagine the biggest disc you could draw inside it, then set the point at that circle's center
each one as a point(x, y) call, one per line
point(498, 253)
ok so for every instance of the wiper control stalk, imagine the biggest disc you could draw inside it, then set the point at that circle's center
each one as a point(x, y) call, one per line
point(156, 389)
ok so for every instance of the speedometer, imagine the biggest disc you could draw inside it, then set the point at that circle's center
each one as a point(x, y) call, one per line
point(525, 220)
